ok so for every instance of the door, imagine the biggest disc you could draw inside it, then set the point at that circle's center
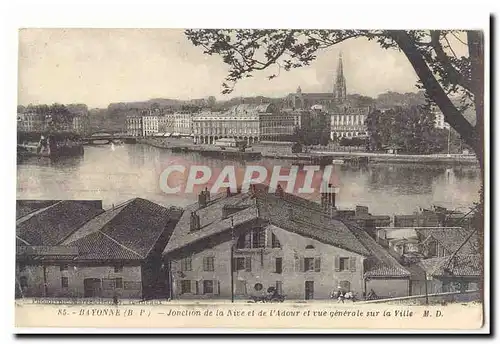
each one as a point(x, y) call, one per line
point(309, 292)
point(91, 287)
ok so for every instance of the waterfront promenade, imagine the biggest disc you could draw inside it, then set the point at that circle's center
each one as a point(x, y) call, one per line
point(187, 145)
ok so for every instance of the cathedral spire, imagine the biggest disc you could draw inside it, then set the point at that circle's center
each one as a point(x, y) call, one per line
point(340, 88)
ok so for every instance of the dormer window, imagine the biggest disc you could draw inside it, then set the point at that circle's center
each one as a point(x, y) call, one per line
point(309, 247)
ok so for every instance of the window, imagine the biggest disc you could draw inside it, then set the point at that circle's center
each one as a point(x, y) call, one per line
point(242, 263)
point(255, 238)
point(275, 242)
point(63, 267)
point(279, 265)
point(308, 264)
point(312, 264)
point(344, 264)
point(309, 247)
point(186, 264)
point(118, 268)
point(185, 286)
point(208, 287)
point(64, 282)
point(118, 283)
point(208, 263)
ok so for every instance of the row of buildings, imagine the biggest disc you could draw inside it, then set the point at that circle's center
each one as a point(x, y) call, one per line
point(265, 122)
point(247, 122)
point(35, 122)
point(260, 122)
point(233, 245)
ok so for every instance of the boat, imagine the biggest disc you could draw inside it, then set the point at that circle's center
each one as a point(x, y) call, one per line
point(49, 147)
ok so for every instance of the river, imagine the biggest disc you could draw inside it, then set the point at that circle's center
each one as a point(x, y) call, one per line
point(115, 174)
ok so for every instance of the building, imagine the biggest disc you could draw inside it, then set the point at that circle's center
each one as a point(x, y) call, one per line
point(77, 249)
point(81, 124)
point(134, 126)
point(248, 122)
point(458, 273)
point(329, 100)
point(241, 244)
point(445, 258)
point(150, 125)
point(178, 123)
point(364, 219)
point(348, 121)
point(31, 122)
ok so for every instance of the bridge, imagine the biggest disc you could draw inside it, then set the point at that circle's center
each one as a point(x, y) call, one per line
point(108, 138)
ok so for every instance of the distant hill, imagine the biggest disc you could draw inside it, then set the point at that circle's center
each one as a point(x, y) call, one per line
point(392, 99)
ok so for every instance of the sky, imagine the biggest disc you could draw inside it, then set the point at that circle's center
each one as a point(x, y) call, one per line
point(102, 66)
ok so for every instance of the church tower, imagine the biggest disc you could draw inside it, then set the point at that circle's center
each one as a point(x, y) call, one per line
point(340, 88)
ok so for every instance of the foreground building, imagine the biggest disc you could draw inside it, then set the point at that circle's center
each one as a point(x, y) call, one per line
point(441, 259)
point(241, 244)
point(77, 249)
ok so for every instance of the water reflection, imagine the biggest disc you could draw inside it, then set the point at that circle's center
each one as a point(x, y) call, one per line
point(133, 171)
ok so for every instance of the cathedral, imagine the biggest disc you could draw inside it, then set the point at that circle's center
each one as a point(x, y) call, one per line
point(347, 121)
point(328, 101)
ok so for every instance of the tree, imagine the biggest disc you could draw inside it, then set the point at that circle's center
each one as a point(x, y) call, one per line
point(442, 73)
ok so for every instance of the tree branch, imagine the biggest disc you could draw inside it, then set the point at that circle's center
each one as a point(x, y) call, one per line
point(454, 75)
point(434, 89)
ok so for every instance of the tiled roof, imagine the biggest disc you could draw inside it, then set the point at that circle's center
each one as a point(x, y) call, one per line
point(211, 221)
point(468, 265)
point(99, 246)
point(385, 265)
point(290, 212)
point(26, 207)
point(53, 224)
point(452, 238)
point(305, 219)
point(129, 231)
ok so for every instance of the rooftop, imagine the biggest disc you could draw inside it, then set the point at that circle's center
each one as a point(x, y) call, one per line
point(129, 231)
point(468, 265)
point(288, 212)
point(51, 225)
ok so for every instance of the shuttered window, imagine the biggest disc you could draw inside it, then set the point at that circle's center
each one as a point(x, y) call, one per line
point(208, 263)
point(186, 264)
point(248, 264)
point(317, 264)
point(208, 287)
point(343, 264)
point(185, 286)
point(352, 264)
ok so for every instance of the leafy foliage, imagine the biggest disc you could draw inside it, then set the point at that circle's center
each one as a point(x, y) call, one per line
point(411, 129)
point(441, 71)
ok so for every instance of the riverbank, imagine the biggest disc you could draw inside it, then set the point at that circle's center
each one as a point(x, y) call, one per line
point(320, 157)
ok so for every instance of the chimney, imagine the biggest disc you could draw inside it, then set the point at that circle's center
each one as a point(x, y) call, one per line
point(228, 191)
point(202, 200)
point(279, 191)
point(207, 194)
point(194, 223)
point(328, 201)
